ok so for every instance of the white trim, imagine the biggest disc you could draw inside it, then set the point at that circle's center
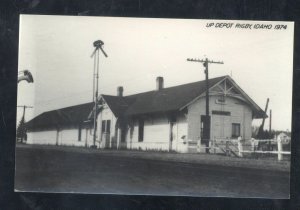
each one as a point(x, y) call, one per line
point(195, 99)
point(247, 98)
point(107, 106)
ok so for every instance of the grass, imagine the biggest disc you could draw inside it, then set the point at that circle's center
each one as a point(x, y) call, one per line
point(268, 163)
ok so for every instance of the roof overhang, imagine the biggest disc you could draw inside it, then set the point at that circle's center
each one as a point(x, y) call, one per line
point(258, 112)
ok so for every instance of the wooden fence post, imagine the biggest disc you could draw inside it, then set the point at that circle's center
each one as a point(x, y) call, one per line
point(214, 145)
point(227, 148)
point(199, 145)
point(279, 146)
point(252, 144)
point(119, 138)
point(240, 148)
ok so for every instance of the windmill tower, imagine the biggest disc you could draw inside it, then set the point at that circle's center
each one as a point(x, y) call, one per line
point(98, 46)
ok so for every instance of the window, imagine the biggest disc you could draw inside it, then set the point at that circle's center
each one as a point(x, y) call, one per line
point(108, 126)
point(141, 130)
point(105, 126)
point(221, 100)
point(236, 130)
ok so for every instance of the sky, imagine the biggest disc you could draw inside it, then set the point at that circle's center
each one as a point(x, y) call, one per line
point(57, 50)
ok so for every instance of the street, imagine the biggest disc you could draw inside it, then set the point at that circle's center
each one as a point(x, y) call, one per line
point(40, 169)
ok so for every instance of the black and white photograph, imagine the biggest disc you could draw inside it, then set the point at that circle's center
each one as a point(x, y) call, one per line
point(154, 106)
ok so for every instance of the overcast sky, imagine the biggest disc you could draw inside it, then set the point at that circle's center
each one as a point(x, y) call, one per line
point(57, 49)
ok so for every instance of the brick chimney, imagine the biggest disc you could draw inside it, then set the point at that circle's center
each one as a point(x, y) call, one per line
point(159, 83)
point(120, 91)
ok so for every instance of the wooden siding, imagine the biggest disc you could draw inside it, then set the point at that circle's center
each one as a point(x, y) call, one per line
point(221, 125)
point(42, 137)
point(111, 142)
point(64, 136)
point(157, 134)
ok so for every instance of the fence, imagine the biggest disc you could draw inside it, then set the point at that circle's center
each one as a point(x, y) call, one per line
point(238, 147)
point(279, 142)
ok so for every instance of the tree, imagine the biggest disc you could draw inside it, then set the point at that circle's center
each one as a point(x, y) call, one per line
point(21, 130)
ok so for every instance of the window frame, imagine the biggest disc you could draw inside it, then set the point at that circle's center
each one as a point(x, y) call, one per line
point(141, 126)
point(234, 130)
point(105, 126)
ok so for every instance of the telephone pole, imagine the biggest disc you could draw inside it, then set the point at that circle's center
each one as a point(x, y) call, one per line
point(23, 117)
point(206, 119)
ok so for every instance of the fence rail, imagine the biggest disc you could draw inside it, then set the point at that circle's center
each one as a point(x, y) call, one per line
point(235, 146)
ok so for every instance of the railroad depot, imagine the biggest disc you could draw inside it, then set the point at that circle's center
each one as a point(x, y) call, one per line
point(166, 118)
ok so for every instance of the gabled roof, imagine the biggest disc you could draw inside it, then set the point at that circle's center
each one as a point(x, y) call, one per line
point(257, 111)
point(167, 99)
point(117, 104)
point(170, 99)
point(72, 115)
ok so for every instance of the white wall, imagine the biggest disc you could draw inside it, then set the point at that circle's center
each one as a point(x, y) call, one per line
point(157, 134)
point(87, 136)
point(106, 114)
point(180, 134)
point(221, 126)
point(67, 136)
point(42, 137)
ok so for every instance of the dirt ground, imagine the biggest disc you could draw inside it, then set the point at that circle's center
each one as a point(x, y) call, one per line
point(80, 170)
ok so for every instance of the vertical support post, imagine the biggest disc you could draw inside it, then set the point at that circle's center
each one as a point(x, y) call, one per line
point(199, 145)
point(252, 144)
point(270, 129)
point(214, 145)
point(119, 138)
point(279, 146)
point(86, 137)
point(96, 101)
point(57, 136)
point(227, 147)
point(207, 122)
point(170, 134)
point(240, 147)
point(270, 124)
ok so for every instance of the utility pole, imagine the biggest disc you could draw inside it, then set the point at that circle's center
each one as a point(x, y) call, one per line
point(23, 117)
point(270, 123)
point(206, 120)
point(270, 128)
point(98, 46)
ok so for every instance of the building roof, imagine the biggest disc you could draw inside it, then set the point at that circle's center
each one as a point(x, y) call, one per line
point(117, 104)
point(167, 99)
point(164, 100)
point(72, 115)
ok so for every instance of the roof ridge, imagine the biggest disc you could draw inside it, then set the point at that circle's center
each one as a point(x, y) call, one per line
point(59, 109)
point(135, 94)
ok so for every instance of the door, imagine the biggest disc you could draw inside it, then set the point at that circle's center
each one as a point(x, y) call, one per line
point(105, 130)
point(123, 136)
point(221, 127)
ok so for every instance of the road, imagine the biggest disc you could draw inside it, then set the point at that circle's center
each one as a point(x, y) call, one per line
point(68, 171)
